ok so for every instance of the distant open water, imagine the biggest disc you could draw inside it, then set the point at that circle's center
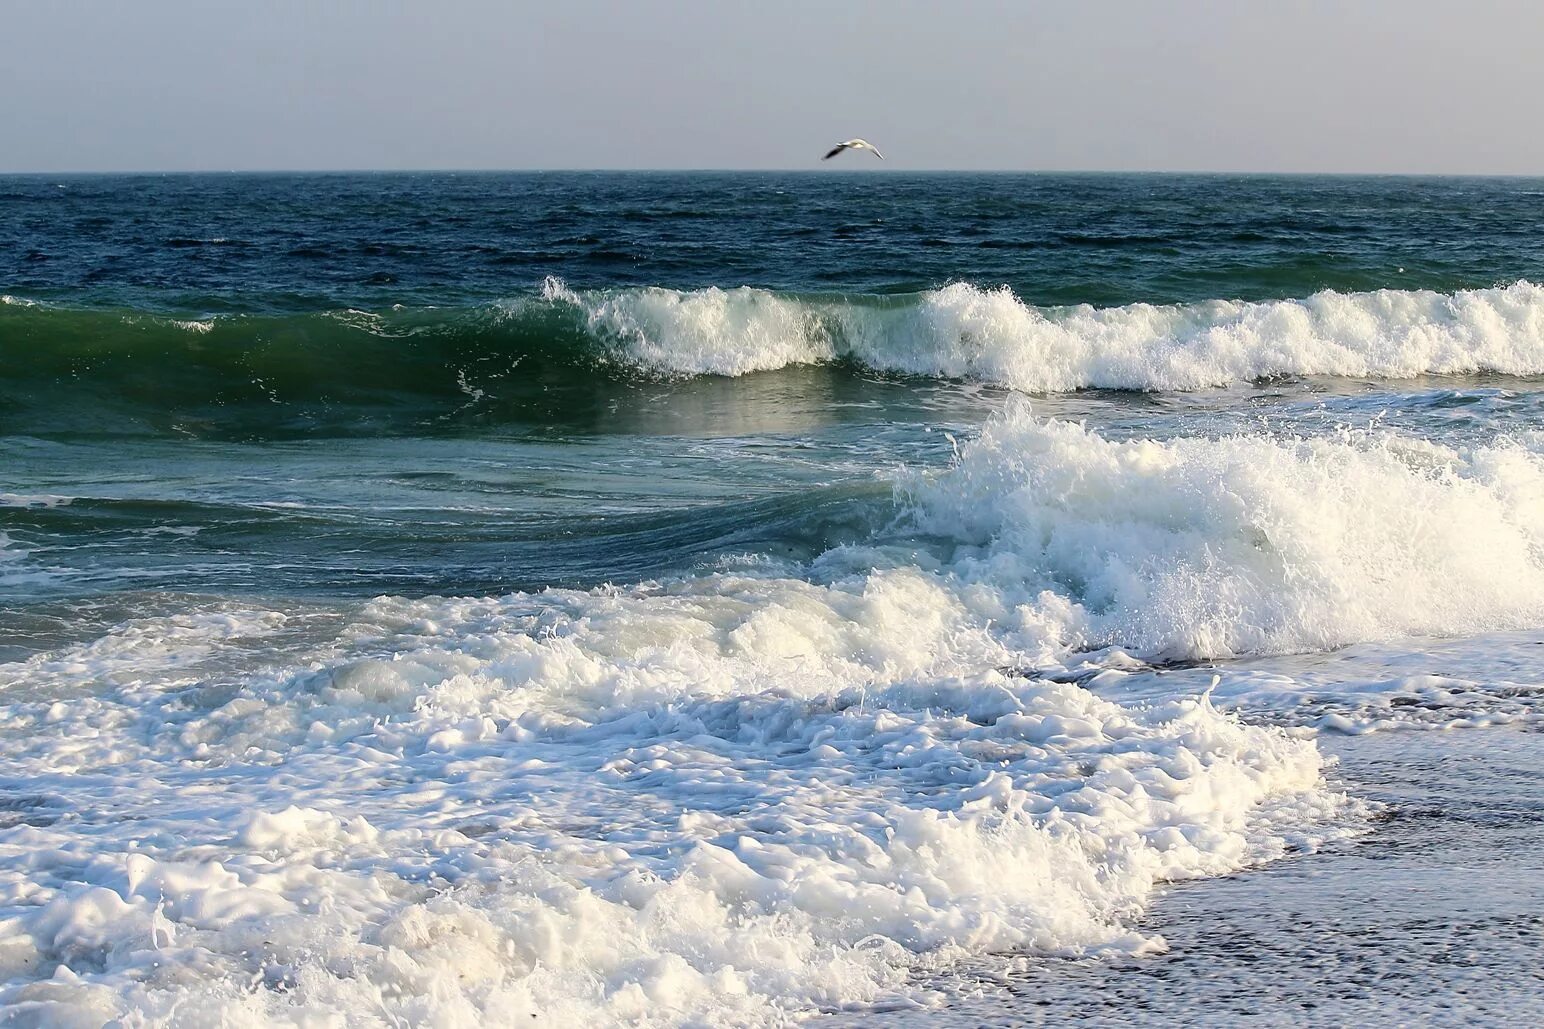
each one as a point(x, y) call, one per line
point(726, 598)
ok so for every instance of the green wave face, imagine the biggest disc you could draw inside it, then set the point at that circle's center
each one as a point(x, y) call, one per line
point(122, 371)
point(565, 359)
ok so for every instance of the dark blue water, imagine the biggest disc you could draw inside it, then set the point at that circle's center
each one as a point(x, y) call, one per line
point(299, 243)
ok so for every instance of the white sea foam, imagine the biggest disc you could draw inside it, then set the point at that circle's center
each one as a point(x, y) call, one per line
point(1198, 548)
point(642, 807)
point(1454, 683)
point(25, 500)
point(737, 796)
point(367, 321)
point(711, 331)
point(19, 567)
point(962, 331)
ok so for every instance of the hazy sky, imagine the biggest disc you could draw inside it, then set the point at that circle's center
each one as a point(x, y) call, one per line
point(1392, 85)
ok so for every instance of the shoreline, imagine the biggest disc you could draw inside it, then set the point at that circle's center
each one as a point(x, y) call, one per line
point(1436, 914)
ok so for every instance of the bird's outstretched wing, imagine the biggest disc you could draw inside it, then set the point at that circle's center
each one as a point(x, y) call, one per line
point(834, 151)
point(876, 152)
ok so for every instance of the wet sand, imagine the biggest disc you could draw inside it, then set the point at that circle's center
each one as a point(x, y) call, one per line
point(1434, 916)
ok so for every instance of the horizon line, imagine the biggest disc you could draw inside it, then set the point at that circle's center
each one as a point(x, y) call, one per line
point(798, 170)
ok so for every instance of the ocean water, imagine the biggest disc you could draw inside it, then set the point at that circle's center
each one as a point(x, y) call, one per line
point(687, 599)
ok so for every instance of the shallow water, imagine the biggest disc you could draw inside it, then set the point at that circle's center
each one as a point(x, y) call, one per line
point(1431, 916)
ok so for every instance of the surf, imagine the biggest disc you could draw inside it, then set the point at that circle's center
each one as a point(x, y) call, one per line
point(395, 368)
point(762, 787)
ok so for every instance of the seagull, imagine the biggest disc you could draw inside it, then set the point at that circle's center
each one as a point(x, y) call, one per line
point(853, 144)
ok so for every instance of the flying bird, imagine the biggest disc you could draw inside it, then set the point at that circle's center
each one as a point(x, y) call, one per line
point(853, 144)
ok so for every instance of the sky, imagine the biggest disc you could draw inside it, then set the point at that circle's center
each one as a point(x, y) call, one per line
point(1414, 86)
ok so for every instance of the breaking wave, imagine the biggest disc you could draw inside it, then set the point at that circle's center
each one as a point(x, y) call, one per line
point(758, 791)
point(386, 367)
point(963, 331)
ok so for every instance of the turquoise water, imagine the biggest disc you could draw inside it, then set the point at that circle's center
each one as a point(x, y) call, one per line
point(861, 533)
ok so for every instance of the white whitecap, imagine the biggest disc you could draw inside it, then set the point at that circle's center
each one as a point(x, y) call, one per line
point(964, 331)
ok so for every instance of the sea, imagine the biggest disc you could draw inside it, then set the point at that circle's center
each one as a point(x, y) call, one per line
point(738, 599)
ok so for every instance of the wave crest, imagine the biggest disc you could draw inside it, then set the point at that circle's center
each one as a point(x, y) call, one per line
point(964, 331)
point(416, 367)
point(1207, 548)
point(703, 332)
